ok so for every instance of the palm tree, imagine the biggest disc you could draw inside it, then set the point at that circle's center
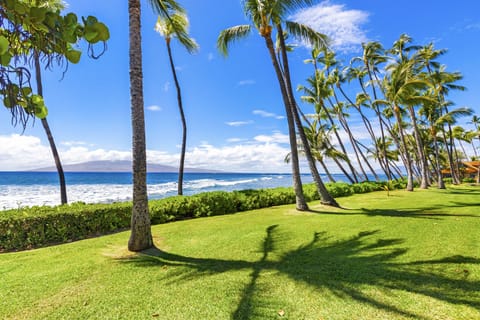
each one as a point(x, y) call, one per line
point(141, 233)
point(320, 41)
point(265, 14)
point(169, 27)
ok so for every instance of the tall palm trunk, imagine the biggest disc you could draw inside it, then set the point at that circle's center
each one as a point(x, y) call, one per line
point(141, 234)
point(301, 204)
point(408, 160)
point(453, 171)
point(184, 122)
point(379, 115)
point(325, 197)
point(440, 182)
point(420, 150)
point(46, 127)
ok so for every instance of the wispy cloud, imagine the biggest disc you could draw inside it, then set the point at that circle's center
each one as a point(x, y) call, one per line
point(341, 25)
point(246, 82)
point(73, 143)
point(466, 25)
point(166, 86)
point(210, 56)
point(266, 114)
point(235, 140)
point(154, 108)
point(238, 123)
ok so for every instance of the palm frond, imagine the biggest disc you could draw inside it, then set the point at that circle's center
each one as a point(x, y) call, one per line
point(230, 35)
point(307, 35)
point(165, 8)
point(177, 25)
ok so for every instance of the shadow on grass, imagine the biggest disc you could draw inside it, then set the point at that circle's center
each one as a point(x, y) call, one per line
point(424, 213)
point(341, 267)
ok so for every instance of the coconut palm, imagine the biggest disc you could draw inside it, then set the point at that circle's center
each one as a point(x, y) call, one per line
point(265, 15)
point(141, 234)
point(169, 28)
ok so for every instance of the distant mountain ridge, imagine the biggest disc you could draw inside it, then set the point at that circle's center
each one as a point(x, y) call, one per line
point(119, 166)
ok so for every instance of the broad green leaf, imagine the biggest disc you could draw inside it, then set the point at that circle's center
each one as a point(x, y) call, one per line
point(73, 55)
point(96, 32)
point(20, 8)
point(4, 45)
point(71, 19)
point(37, 15)
point(41, 112)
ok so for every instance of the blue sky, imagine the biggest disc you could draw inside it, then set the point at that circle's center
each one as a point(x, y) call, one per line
point(234, 111)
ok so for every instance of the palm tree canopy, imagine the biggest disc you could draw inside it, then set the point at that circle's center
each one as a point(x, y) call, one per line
point(230, 35)
point(176, 25)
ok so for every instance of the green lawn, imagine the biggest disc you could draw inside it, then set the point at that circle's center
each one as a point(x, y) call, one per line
point(406, 256)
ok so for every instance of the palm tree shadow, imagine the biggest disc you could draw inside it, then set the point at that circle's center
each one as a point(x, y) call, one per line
point(341, 267)
point(424, 213)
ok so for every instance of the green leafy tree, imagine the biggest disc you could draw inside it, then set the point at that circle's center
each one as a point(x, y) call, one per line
point(35, 29)
point(176, 25)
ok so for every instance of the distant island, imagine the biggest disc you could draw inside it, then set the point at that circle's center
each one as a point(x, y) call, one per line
point(119, 166)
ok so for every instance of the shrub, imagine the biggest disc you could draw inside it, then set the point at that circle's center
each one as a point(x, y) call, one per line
point(26, 228)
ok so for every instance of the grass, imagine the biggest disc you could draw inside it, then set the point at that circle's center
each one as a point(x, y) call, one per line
point(404, 256)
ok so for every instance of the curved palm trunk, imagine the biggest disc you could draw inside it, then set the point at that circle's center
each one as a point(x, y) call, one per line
point(325, 197)
point(408, 160)
point(440, 182)
point(51, 141)
point(453, 172)
point(141, 234)
point(184, 122)
point(369, 127)
point(340, 143)
point(327, 172)
point(301, 204)
point(420, 150)
point(382, 131)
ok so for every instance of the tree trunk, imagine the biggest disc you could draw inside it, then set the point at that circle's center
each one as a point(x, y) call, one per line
point(141, 234)
point(51, 141)
point(325, 197)
point(408, 160)
point(301, 204)
point(440, 182)
point(184, 122)
point(421, 154)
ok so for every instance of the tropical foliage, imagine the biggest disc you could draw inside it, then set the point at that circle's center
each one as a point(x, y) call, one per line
point(405, 88)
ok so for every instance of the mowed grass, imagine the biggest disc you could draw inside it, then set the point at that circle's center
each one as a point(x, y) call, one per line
point(404, 256)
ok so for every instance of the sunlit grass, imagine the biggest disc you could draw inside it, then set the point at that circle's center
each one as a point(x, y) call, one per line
point(404, 256)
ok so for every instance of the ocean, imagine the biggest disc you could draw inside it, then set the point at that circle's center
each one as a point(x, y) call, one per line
point(21, 189)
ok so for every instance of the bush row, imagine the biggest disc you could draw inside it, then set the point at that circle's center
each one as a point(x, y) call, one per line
point(31, 227)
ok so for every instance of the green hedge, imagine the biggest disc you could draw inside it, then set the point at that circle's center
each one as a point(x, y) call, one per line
point(32, 227)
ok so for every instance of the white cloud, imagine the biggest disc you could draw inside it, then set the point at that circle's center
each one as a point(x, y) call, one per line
point(262, 154)
point(210, 56)
point(341, 25)
point(19, 152)
point(276, 137)
point(265, 114)
point(154, 108)
point(246, 82)
point(73, 143)
point(238, 123)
